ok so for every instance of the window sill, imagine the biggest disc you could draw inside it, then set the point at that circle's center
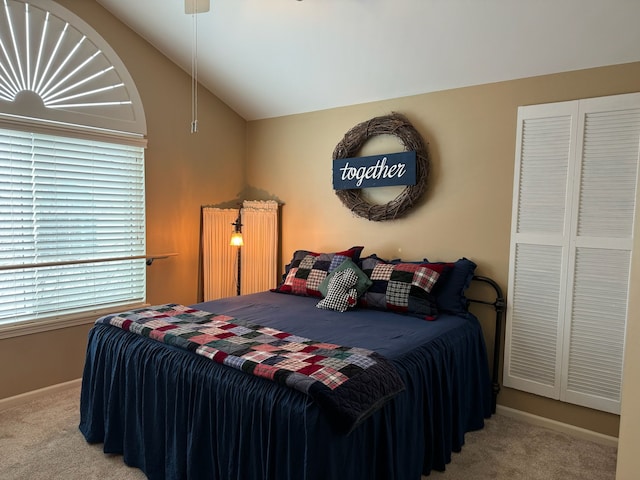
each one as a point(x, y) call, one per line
point(29, 327)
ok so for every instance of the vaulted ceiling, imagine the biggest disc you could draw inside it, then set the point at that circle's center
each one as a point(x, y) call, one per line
point(268, 58)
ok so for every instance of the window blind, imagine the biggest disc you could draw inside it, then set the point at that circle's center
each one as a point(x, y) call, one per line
point(72, 213)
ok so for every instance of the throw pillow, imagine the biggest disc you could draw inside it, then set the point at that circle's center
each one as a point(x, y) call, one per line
point(341, 293)
point(307, 270)
point(402, 287)
point(364, 282)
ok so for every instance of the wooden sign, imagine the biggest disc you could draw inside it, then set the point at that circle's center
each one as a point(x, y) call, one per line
point(375, 171)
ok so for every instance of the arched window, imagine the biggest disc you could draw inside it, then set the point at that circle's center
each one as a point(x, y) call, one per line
point(72, 138)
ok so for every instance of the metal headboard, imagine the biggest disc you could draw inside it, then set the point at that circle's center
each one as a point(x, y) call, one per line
point(499, 305)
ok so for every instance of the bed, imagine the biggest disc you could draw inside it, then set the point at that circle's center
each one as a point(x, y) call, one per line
point(176, 414)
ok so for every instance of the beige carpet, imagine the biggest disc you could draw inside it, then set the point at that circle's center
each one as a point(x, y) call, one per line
point(40, 440)
point(513, 450)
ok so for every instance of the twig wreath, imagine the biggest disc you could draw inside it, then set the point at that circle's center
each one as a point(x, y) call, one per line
point(394, 124)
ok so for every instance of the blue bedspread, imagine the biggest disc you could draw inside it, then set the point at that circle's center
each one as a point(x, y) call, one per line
point(177, 415)
point(389, 334)
point(349, 383)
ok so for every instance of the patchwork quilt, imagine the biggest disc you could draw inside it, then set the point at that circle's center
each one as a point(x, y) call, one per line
point(348, 383)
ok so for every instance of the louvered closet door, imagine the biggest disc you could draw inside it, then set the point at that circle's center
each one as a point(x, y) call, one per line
point(539, 248)
point(571, 246)
point(601, 251)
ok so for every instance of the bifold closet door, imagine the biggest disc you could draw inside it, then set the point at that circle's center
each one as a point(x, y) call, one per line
point(572, 235)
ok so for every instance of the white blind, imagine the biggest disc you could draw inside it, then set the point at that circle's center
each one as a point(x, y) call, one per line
point(66, 206)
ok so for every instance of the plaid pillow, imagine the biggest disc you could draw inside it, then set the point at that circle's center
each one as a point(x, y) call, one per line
point(342, 292)
point(308, 269)
point(364, 281)
point(402, 287)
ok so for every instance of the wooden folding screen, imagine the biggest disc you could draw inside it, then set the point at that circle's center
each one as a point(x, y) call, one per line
point(258, 255)
point(218, 257)
point(260, 250)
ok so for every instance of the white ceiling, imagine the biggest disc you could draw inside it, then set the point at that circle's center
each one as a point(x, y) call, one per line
point(268, 58)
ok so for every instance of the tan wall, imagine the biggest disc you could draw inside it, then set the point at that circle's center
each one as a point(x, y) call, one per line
point(629, 440)
point(181, 173)
point(467, 210)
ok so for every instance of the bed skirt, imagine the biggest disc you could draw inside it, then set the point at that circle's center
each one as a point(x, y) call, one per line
point(176, 415)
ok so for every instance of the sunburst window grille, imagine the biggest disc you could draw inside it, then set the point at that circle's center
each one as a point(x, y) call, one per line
point(55, 67)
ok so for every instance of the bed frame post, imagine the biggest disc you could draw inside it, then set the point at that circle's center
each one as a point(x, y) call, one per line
point(499, 304)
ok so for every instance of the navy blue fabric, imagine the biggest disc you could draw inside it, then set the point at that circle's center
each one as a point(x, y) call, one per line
point(177, 415)
point(389, 335)
point(449, 291)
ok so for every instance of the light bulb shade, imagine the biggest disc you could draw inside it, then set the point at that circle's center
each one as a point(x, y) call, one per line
point(236, 239)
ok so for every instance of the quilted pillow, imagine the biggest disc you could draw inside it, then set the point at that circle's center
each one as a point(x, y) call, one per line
point(364, 281)
point(307, 270)
point(342, 292)
point(402, 287)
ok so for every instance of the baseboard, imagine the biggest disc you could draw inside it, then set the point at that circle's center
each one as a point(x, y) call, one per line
point(572, 430)
point(6, 403)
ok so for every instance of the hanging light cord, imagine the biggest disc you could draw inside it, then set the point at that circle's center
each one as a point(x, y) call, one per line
point(194, 71)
